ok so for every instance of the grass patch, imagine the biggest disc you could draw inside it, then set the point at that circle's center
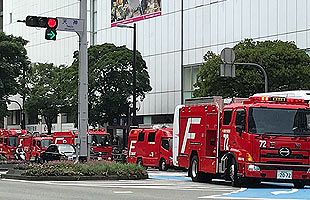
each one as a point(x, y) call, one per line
point(97, 168)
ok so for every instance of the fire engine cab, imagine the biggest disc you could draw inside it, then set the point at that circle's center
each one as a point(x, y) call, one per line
point(101, 147)
point(9, 142)
point(33, 145)
point(245, 141)
point(151, 147)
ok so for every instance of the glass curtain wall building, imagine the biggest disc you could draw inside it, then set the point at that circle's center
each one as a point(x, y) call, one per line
point(172, 35)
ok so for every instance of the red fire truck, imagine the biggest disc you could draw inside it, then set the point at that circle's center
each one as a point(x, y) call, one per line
point(151, 147)
point(66, 137)
point(34, 145)
point(101, 147)
point(258, 139)
point(9, 142)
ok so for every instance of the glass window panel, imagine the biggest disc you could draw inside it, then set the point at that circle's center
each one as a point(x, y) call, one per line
point(187, 85)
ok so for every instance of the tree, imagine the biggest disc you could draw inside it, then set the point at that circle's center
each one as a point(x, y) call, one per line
point(110, 82)
point(287, 67)
point(13, 61)
point(49, 91)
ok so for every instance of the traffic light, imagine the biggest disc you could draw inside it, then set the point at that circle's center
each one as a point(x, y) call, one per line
point(50, 34)
point(44, 22)
point(35, 21)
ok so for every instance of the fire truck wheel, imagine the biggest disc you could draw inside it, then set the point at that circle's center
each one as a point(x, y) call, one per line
point(233, 169)
point(299, 185)
point(140, 163)
point(193, 170)
point(163, 165)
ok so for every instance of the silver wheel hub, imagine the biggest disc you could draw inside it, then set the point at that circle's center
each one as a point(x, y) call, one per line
point(194, 168)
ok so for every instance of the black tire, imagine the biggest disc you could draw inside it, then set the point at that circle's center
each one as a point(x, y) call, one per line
point(299, 185)
point(233, 174)
point(163, 165)
point(194, 170)
point(140, 163)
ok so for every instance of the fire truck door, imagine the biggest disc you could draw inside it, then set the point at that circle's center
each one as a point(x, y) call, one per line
point(152, 150)
point(226, 129)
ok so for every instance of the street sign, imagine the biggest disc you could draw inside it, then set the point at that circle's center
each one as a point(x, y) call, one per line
point(227, 70)
point(50, 34)
point(228, 55)
point(70, 24)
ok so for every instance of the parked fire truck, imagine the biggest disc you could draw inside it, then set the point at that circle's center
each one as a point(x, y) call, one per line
point(257, 139)
point(9, 142)
point(33, 145)
point(151, 147)
point(101, 147)
point(65, 137)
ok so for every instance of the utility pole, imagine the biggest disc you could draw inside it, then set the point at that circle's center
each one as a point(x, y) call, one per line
point(83, 87)
point(134, 76)
point(134, 72)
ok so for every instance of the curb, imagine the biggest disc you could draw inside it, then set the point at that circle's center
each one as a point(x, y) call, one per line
point(66, 178)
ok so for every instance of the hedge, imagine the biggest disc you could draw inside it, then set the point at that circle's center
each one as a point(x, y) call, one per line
point(95, 168)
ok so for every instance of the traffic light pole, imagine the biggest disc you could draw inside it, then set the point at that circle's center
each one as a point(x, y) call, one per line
point(83, 87)
point(80, 27)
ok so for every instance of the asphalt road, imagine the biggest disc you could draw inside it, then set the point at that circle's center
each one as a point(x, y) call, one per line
point(161, 185)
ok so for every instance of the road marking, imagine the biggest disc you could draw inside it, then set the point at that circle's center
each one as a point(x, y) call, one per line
point(122, 192)
point(245, 198)
point(284, 192)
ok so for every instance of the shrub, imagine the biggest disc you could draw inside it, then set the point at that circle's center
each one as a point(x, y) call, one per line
point(94, 168)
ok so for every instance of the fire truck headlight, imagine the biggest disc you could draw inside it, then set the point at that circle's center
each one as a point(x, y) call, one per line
point(249, 158)
point(253, 168)
point(308, 171)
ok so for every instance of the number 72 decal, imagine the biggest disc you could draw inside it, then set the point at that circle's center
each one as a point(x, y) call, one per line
point(226, 139)
point(262, 143)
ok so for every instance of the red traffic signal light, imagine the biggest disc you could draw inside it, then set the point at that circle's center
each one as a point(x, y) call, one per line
point(43, 22)
point(52, 23)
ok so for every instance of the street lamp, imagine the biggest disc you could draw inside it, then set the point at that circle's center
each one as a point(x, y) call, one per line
point(134, 78)
point(22, 116)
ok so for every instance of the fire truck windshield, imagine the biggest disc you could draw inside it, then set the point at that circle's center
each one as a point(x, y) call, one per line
point(101, 140)
point(13, 141)
point(279, 121)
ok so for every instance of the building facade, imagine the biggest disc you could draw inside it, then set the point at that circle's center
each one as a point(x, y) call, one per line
point(172, 41)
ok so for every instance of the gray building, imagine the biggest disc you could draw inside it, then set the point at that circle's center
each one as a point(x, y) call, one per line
point(1, 15)
point(169, 44)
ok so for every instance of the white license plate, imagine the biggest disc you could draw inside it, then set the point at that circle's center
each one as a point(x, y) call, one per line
point(284, 174)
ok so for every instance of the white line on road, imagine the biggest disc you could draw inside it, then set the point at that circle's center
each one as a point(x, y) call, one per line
point(284, 192)
point(122, 192)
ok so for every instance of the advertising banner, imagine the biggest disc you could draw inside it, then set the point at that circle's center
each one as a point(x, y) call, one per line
point(128, 11)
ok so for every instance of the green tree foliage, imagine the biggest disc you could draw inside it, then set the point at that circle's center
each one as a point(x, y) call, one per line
point(110, 81)
point(49, 91)
point(13, 60)
point(287, 67)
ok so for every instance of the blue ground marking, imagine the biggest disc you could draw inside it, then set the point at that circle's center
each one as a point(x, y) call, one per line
point(178, 178)
point(263, 193)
